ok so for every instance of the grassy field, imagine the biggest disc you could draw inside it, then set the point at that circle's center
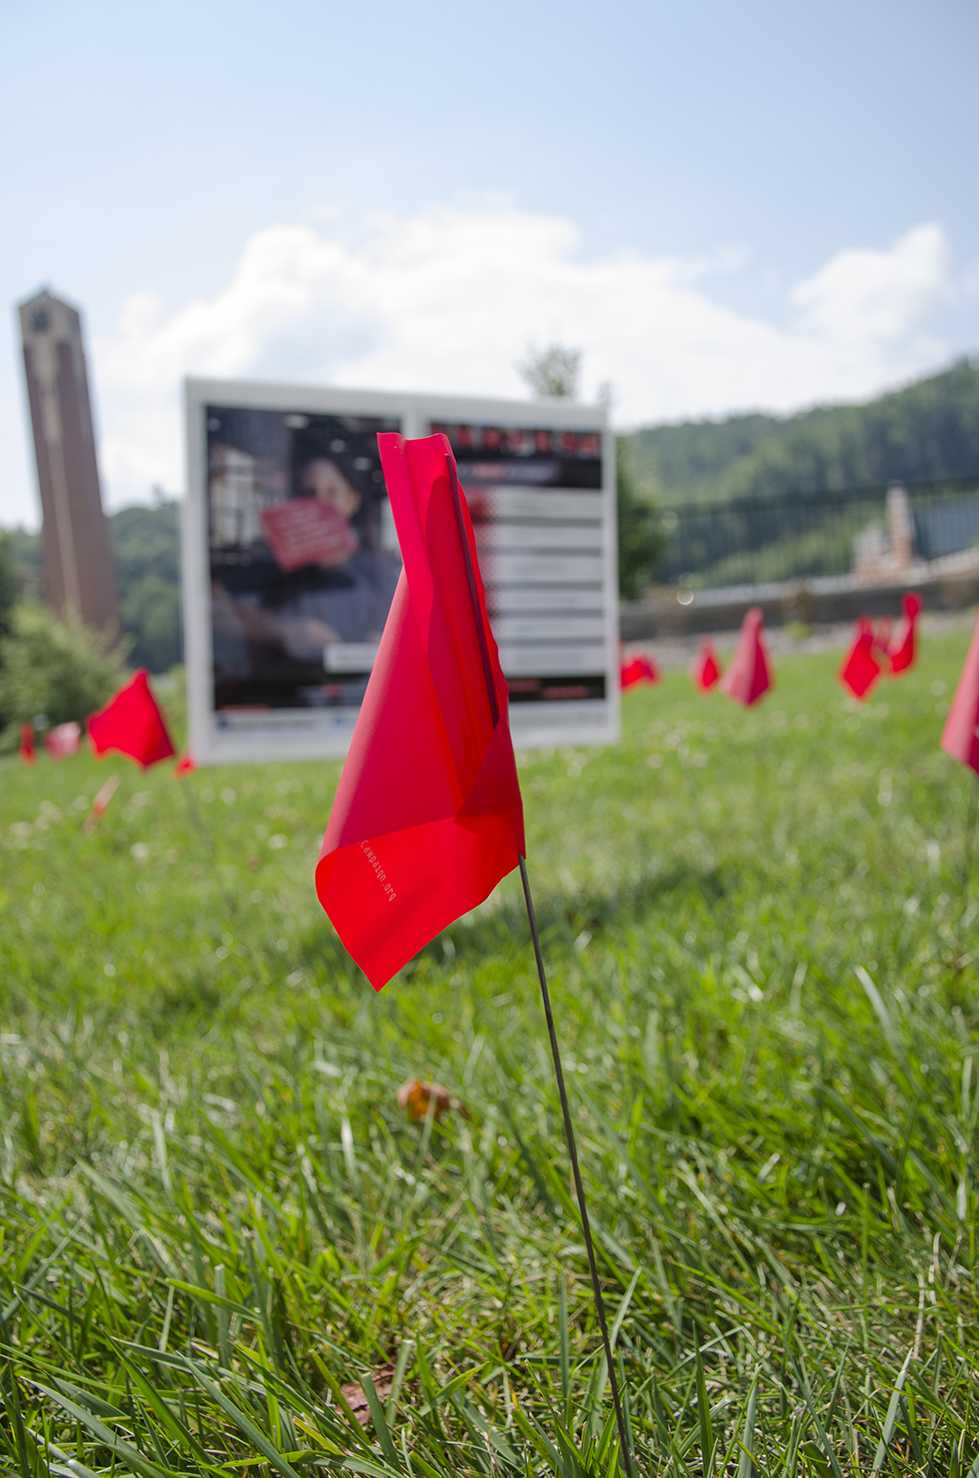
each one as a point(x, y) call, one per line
point(214, 1215)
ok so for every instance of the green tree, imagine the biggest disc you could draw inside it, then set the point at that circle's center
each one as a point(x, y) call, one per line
point(640, 531)
point(8, 582)
point(553, 373)
point(52, 669)
point(146, 547)
point(151, 619)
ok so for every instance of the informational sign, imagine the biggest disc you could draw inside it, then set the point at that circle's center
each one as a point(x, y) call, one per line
point(290, 560)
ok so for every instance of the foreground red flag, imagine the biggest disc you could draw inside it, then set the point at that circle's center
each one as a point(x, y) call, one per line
point(708, 670)
point(749, 675)
point(861, 668)
point(961, 735)
point(63, 740)
point(427, 817)
point(27, 751)
point(903, 652)
point(132, 723)
point(637, 670)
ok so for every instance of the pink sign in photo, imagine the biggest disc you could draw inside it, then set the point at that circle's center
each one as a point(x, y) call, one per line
point(306, 531)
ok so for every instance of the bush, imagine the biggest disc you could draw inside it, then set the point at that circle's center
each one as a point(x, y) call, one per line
point(49, 668)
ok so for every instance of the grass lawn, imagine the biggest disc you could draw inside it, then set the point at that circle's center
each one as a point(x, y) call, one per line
point(214, 1215)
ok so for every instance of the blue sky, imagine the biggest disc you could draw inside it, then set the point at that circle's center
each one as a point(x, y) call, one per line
point(726, 205)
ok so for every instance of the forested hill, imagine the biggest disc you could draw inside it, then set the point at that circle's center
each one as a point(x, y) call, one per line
point(928, 430)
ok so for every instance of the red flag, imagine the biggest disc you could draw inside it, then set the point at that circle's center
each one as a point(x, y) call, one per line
point(638, 670)
point(101, 801)
point(132, 723)
point(184, 765)
point(748, 677)
point(27, 751)
point(427, 817)
point(63, 740)
point(902, 654)
point(861, 668)
point(708, 669)
point(961, 735)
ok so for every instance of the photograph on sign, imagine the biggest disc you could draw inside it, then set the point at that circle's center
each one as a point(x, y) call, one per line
point(291, 560)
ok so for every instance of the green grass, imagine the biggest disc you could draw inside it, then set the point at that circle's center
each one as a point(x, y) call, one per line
point(213, 1213)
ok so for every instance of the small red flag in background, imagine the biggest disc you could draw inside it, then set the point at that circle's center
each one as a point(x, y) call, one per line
point(861, 668)
point(749, 675)
point(903, 652)
point(637, 670)
point(961, 734)
point(63, 740)
point(304, 531)
point(100, 804)
point(427, 817)
point(27, 751)
point(708, 670)
point(184, 766)
point(132, 723)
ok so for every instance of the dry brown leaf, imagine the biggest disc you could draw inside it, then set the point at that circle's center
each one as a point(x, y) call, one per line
point(356, 1399)
point(416, 1096)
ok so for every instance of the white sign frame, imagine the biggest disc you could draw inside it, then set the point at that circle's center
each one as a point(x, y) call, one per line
point(296, 734)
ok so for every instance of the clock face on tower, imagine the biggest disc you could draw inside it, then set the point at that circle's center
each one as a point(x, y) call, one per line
point(40, 321)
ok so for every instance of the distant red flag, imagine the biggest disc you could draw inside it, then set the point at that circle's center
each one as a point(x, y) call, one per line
point(27, 751)
point(861, 669)
point(132, 723)
point(749, 678)
point(903, 652)
point(708, 670)
point(99, 805)
point(63, 740)
point(184, 765)
point(961, 734)
point(637, 670)
point(427, 817)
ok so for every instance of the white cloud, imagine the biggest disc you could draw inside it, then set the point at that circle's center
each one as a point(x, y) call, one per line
point(450, 300)
point(881, 295)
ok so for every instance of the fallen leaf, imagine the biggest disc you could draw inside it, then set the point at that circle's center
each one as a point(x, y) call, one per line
point(356, 1399)
point(416, 1096)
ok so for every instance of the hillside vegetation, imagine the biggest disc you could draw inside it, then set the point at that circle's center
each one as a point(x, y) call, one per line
point(930, 431)
point(927, 431)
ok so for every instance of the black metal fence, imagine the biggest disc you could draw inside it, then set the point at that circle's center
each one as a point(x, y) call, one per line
point(863, 531)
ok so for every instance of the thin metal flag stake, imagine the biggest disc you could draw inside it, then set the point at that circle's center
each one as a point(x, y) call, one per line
point(970, 837)
point(569, 1134)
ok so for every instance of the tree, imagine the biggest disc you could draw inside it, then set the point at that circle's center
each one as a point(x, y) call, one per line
point(146, 551)
point(52, 669)
point(151, 619)
point(8, 582)
point(552, 374)
point(640, 532)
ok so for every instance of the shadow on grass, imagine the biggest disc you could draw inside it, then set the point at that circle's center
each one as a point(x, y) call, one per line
point(500, 928)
